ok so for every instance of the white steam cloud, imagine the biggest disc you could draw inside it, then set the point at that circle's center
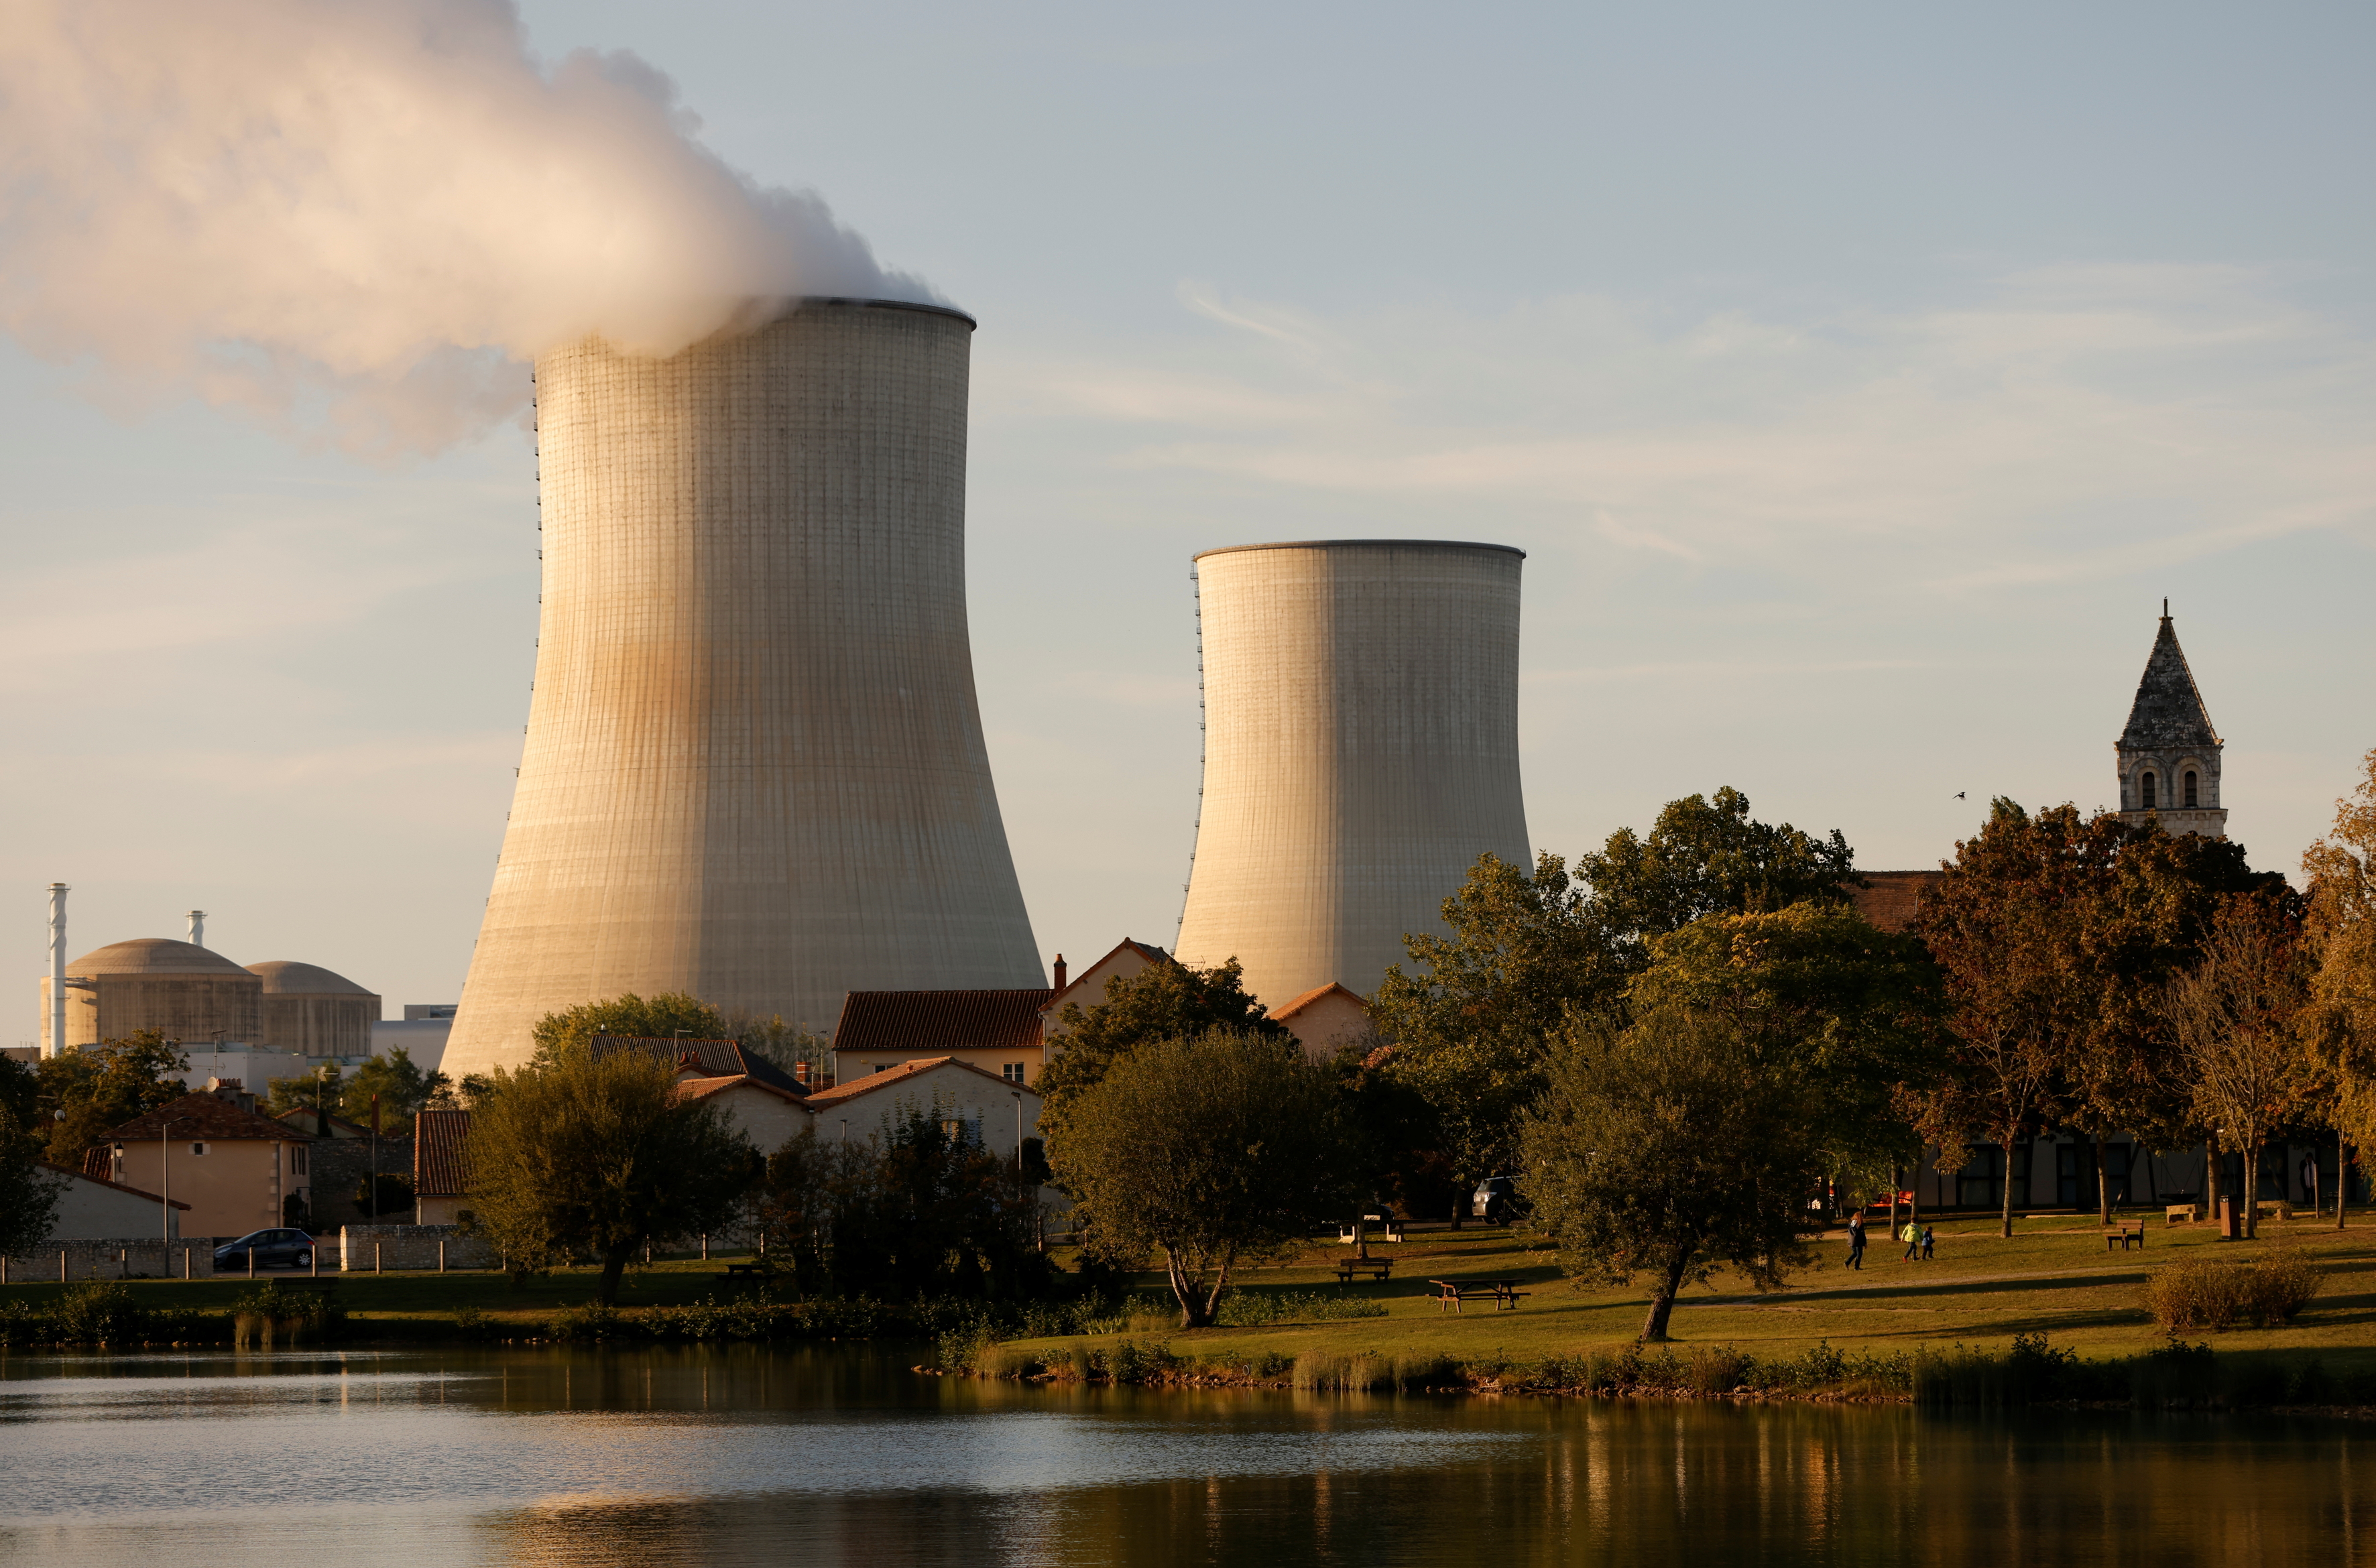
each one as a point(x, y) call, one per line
point(355, 217)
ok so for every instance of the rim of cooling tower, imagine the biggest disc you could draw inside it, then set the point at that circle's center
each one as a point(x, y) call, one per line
point(1343, 543)
point(806, 300)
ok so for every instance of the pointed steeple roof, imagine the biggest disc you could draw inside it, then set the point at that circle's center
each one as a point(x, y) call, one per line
point(2168, 712)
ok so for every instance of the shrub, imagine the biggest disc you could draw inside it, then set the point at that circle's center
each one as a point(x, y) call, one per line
point(1718, 1369)
point(2195, 1291)
point(1415, 1372)
point(100, 1313)
point(1242, 1309)
point(965, 1347)
point(2173, 1372)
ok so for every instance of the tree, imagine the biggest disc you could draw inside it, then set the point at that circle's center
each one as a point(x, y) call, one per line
point(573, 1156)
point(1816, 990)
point(20, 1094)
point(324, 1089)
point(1165, 1000)
point(1668, 1148)
point(28, 1194)
point(1469, 1026)
point(2340, 928)
point(789, 1046)
point(88, 1093)
point(1215, 1151)
point(402, 1088)
point(2236, 1015)
point(920, 1211)
point(657, 1017)
point(1703, 858)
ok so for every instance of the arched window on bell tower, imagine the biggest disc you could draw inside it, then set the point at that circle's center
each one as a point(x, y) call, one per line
point(2146, 792)
point(2190, 788)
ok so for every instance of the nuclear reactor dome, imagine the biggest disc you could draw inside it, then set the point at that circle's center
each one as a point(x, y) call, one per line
point(313, 1011)
point(178, 989)
point(153, 956)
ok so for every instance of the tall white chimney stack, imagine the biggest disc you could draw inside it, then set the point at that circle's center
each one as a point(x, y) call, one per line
point(57, 1043)
point(197, 928)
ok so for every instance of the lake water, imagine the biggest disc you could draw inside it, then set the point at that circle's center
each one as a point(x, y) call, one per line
point(839, 1455)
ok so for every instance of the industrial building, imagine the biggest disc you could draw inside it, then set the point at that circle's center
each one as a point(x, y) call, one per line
point(754, 768)
point(1361, 751)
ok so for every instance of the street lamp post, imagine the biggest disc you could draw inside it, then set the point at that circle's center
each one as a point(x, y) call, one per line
point(165, 1185)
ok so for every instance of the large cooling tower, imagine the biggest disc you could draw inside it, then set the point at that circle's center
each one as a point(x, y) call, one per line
point(754, 767)
point(1361, 751)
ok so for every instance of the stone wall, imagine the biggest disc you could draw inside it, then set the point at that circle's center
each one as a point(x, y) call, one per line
point(367, 1248)
point(116, 1257)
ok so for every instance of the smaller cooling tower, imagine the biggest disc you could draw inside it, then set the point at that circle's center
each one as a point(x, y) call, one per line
point(1361, 751)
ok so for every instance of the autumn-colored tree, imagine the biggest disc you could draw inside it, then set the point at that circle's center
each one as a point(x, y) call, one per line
point(2057, 934)
point(2237, 1014)
point(2340, 928)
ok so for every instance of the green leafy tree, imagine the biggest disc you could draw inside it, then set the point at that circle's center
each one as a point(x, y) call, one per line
point(402, 1088)
point(1165, 1001)
point(28, 1194)
point(1703, 858)
point(322, 1089)
point(1669, 1148)
point(572, 1156)
point(87, 1094)
point(1215, 1152)
point(917, 1211)
point(789, 1046)
point(1469, 1023)
point(1852, 1011)
point(657, 1017)
point(20, 1094)
point(2339, 1027)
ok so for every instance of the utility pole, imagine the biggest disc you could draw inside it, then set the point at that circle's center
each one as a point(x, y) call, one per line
point(165, 1187)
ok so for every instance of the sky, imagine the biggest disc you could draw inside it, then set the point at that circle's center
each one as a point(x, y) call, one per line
point(1859, 379)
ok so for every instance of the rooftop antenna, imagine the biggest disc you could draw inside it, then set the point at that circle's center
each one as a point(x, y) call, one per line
point(197, 928)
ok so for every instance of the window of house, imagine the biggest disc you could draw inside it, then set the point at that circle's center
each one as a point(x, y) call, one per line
point(198, 1149)
point(2190, 788)
point(1012, 1071)
point(297, 1159)
point(2146, 791)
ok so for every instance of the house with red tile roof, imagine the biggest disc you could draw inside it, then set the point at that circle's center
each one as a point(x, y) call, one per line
point(237, 1169)
point(760, 1100)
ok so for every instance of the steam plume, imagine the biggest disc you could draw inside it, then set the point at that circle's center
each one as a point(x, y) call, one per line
point(356, 216)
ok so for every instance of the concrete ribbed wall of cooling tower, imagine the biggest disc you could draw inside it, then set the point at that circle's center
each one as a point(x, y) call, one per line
point(754, 767)
point(1361, 751)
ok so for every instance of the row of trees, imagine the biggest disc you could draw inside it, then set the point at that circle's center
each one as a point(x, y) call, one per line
point(1680, 1041)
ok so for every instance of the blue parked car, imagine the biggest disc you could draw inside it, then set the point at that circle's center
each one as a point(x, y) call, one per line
point(293, 1248)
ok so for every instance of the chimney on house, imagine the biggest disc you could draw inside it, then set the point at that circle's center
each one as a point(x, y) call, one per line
point(1060, 972)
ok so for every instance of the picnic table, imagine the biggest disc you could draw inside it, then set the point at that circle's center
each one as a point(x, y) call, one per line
point(2123, 1234)
point(2181, 1214)
point(761, 1269)
point(1376, 1269)
point(1451, 1293)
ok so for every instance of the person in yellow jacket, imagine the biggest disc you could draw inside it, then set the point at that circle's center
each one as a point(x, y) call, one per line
point(1912, 1236)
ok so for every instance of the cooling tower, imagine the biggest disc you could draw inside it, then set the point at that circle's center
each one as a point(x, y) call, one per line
point(1361, 751)
point(754, 767)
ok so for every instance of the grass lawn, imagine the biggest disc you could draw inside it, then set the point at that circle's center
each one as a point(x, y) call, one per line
point(2052, 1276)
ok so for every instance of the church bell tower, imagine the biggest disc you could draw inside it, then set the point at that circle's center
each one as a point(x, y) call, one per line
point(2168, 756)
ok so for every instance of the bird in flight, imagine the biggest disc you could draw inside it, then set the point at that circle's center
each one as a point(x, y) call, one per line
point(1959, 794)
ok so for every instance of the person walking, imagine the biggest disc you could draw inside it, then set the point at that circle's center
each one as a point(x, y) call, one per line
point(1912, 1236)
point(1929, 1241)
point(1856, 1241)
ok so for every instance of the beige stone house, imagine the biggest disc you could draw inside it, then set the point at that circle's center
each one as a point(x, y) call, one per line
point(441, 1168)
point(237, 1170)
point(1325, 1019)
point(760, 1100)
point(92, 1208)
point(987, 1110)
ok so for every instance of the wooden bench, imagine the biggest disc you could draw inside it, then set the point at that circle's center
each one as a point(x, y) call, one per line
point(2123, 1234)
point(759, 1271)
point(2181, 1214)
point(1451, 1293)
point(1376, 1269)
